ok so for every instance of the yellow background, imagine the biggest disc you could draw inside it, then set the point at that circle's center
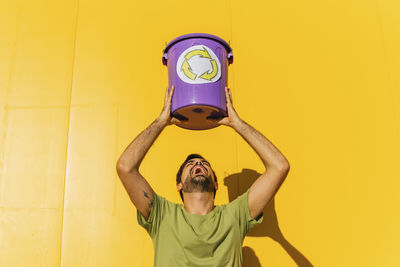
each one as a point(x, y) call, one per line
point(80, 79)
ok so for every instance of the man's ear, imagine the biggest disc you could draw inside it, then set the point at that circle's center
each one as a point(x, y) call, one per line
point(179, 187)
point(216, 186)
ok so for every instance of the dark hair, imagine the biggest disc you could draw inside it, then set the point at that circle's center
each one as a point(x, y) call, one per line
point(179, 174)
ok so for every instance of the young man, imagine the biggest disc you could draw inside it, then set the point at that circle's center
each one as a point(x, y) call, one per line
point(198, 233)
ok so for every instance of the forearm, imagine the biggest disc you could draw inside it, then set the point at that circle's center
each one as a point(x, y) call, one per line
point(269, 154)
point(133, 155)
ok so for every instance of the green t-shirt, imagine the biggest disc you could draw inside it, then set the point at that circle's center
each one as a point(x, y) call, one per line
point(182, 239)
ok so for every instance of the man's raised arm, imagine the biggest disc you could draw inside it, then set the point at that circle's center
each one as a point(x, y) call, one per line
point(139, 190)
point(277, 166)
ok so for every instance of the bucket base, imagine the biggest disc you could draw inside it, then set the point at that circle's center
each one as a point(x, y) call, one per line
point(196, 116)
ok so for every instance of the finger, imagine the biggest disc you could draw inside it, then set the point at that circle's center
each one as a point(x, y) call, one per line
point(166, 94)
point(171, 92)
point(230, 96)
point(227, 94)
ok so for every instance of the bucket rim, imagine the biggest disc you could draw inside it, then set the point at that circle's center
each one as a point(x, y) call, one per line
point(198, 35)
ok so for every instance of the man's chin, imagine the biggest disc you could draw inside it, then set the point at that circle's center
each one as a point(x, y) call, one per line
point(199, 177)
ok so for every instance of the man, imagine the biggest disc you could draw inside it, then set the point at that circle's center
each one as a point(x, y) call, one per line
point(198, 233)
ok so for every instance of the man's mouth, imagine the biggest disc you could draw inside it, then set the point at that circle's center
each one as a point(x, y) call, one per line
point(200, 169)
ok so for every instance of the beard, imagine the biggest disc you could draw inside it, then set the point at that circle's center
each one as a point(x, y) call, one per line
point(198, 183)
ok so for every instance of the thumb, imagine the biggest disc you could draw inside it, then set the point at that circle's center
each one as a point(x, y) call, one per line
point(215, 119)
point(175, 121)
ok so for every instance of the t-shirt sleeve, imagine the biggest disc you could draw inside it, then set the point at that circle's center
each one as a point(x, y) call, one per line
point(240, 209)
point(152, 224)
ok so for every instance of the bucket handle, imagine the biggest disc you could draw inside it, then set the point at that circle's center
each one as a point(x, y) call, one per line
point(165, 58)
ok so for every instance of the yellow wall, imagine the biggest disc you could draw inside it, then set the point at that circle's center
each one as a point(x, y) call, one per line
point(79, 79)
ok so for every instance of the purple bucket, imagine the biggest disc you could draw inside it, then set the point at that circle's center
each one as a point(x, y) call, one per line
point(198, 67)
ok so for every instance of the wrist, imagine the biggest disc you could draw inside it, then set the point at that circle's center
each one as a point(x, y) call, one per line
point(162, 121)
point(237, 123)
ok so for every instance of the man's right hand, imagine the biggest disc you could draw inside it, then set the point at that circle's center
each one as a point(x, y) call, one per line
point(165, 115)
point(139, 190)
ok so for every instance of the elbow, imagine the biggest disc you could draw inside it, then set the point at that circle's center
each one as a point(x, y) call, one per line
point(287, 166)
point(122, 168)
point(119, 168)
point(283, 166)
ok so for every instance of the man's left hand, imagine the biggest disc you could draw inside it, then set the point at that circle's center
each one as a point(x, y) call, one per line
point(232, 117)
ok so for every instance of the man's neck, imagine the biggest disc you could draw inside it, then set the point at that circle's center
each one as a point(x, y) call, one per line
point(199, 202)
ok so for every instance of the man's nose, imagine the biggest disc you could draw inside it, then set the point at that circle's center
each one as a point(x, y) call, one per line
point(199, 162)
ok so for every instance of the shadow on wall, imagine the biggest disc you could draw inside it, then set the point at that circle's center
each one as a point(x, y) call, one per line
point(238, 184)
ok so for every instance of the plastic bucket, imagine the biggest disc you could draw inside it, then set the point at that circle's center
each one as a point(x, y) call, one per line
point(198, 67)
